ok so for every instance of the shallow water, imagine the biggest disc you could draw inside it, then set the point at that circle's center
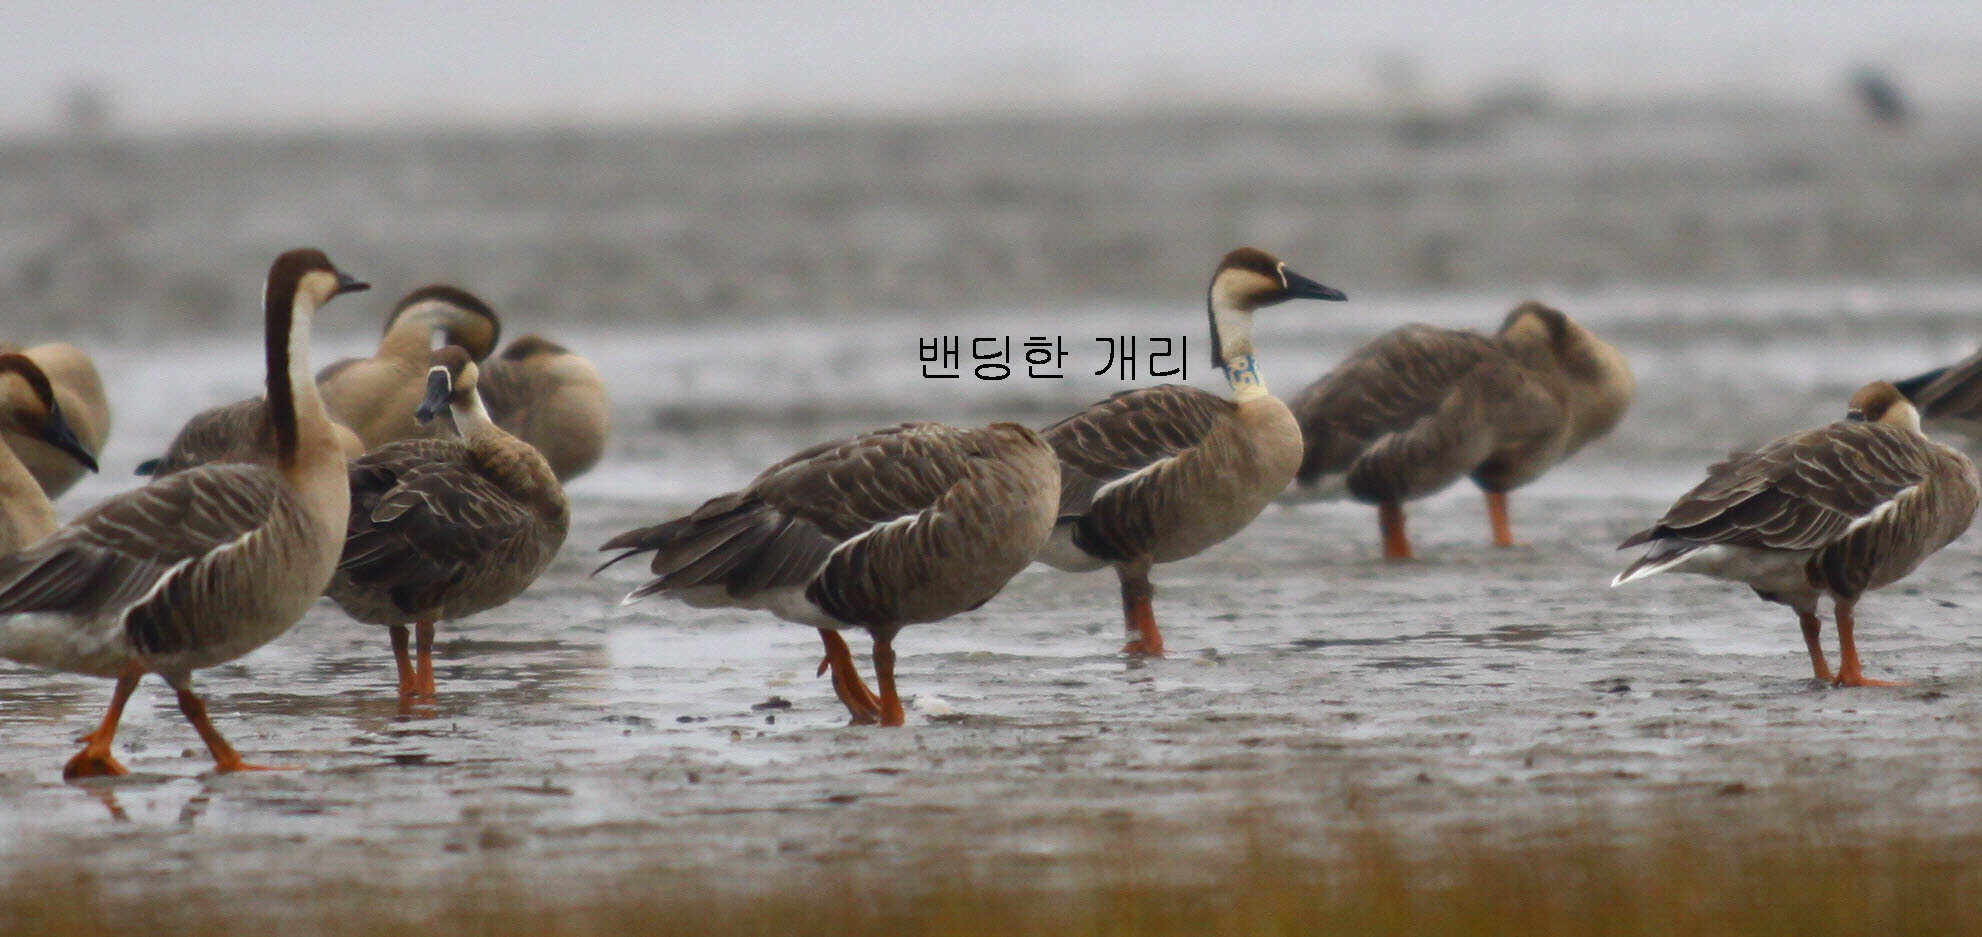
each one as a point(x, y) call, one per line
point(1472, 688)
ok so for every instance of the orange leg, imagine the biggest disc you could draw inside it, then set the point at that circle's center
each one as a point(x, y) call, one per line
point(884, 674)
point(1848, 670)
point(423, 637)
point(96, 760)
point(1503, 530)
point(1812, 626)
point(225, 759)
point(859, 700)
point(1138, 615)
point(402, 659)
point(1390, 517)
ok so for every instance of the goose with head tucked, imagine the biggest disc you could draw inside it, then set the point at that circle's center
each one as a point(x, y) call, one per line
point(1838, 510)
point(895, 527)
point(1421, 407)
point(85, 408)
point(29, 407)
point(441, 529)
point(1162, 473)
point(551, 398)
point(201, 567)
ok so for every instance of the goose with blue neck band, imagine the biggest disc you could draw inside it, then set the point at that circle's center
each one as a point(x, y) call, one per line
point(1163, 473)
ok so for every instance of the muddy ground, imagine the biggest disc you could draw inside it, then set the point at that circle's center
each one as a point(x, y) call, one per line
point(1309, 681)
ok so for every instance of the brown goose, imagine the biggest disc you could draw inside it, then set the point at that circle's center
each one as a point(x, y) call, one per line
point(377, 396)
point(909, 524)
point(80, 391)
point(1420, 407)
point(1162, 473)
point(233, 432)
point(444, 528)
point(552, 399)
point(29, 406)
point(201, 567)
point(1838, 510)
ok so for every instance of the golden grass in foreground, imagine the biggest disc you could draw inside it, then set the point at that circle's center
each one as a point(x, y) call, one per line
point(1691, 878)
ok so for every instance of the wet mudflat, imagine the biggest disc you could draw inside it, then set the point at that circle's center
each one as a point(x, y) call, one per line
point(1310, 683)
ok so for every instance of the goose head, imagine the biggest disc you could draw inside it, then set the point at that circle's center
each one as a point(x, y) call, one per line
point(450, 383)
point(458, 315)
point(1249, 279)
point(305, 279)
point(31, 409)
point(1881, 402)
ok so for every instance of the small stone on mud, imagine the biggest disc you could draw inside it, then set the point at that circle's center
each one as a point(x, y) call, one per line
point(1735, 787)
point(775, 702)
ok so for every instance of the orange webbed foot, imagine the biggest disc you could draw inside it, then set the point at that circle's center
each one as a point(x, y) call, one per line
point(93, 763)
point(1138, 647)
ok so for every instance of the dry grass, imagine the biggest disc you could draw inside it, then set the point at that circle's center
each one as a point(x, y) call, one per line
point(1670, 879)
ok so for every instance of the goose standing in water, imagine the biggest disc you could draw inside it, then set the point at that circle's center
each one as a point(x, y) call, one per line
point(29, 406)
point(899, 526)
point(444, 528)
point(201, 567)
point(1838, 510)
point(79, 389)
point(552, 399)
point(370, 400)
point(1418, 408)
point(1162, 473)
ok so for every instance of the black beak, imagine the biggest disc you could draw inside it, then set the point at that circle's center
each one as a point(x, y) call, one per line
point(1854, 416)
point(59, 434)
point(347, 283)
point(440, 387)
point(1300, 287)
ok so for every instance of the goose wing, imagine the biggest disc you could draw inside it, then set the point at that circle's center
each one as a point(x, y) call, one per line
point(129, 554)
point(423, 519)
point(1801, 492)
point(1401, 378)
point(234, 432)
point(779, 531)
point(1950, 393)
point(1133, 432)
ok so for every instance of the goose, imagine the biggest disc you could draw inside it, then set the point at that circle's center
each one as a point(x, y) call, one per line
point(552, 399)
point(200, 567)
point(79, 389)
point(233, 432)
point(1162, 473)
point(444, 528)
point(377, 396)
point(30, 406)
point(370, 400)
point(1838, 510)
point(1420, 407)
point(909, 524)
point(1949, 398)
